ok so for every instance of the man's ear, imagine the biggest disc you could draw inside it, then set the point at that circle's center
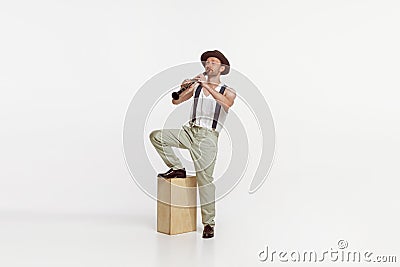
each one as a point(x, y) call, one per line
point(221, 69)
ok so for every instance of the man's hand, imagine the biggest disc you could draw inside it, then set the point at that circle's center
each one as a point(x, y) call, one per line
point(200, 78)
point(186, 94)
point(186, 81)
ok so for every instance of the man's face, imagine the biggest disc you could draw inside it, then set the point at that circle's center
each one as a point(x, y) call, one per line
point(213, 66)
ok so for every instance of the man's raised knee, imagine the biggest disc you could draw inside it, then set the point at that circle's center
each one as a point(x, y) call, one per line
point(154, 135)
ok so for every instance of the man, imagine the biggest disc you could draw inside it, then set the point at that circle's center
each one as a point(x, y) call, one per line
point(211, 103)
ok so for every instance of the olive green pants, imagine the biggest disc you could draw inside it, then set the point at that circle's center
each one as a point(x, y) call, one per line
point(203, 146)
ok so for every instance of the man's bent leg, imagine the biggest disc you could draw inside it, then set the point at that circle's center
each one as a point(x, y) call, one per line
point(163, 141)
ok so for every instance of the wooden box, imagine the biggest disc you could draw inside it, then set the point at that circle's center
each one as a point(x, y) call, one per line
point(176, 205)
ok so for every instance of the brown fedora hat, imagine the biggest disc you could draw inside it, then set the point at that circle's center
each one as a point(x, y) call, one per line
point(220, 56)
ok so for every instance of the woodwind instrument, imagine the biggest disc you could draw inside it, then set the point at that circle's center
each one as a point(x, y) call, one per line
point(184, 86)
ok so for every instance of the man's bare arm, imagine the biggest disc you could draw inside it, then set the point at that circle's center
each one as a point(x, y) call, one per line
point(185, 95)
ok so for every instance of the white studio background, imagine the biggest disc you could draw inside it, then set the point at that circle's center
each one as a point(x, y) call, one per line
point(69, 69)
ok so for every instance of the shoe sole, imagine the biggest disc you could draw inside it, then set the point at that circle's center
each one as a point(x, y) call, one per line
point(208, 236)
point(170, 177)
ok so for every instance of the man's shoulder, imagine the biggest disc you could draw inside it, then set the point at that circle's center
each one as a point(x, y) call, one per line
point(229, 89)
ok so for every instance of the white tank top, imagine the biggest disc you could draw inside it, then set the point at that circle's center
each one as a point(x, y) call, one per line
point(206, 111)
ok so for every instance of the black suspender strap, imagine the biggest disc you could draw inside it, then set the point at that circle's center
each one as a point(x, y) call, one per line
point(196, 100)
point(217, 109)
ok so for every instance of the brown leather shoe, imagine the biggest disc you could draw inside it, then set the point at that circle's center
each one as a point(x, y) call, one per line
point(208, 231)
point(180, 173)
